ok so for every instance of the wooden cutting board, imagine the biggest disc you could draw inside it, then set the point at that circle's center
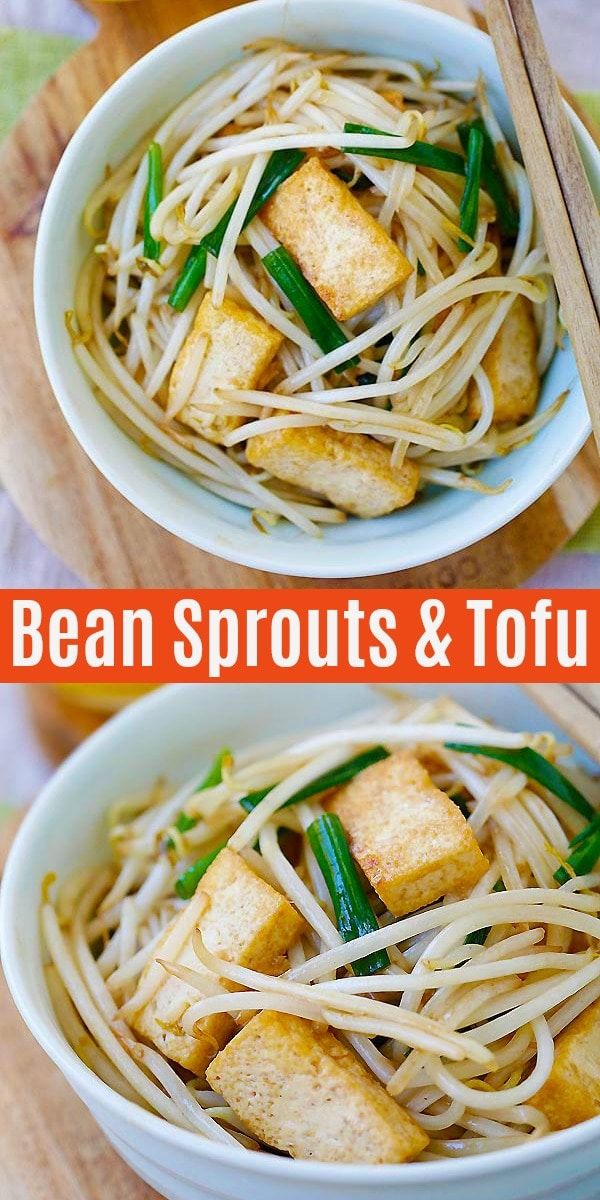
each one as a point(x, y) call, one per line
point(99, 535)
point(50, 1146)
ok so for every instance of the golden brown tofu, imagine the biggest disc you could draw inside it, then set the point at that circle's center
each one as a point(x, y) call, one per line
point(239, 348)
point(351, 470)
point(243, 920)
point(411, 840)
point(342, 250)
point(159, 1021)
point(301, 1090)
point(510, 364)
point(247, 921)
point(572, 1091)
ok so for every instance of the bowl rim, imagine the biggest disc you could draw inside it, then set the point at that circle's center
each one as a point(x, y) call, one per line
point(386, 554)
point(131, 1115)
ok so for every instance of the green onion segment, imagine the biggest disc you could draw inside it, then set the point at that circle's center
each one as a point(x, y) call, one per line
point(353, 913)
point(492, 178)
point(469, 204)
point(323, 783)
point(422, 154)
point(536, 767)
point(154, 195)
point(478, 936)
point(213, 776)
point(280, 166)
point(321, 325)
point(188, 882)
point(585, 846)
point(585, 852)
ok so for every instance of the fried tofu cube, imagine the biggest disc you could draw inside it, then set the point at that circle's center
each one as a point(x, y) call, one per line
point(158, 1022)
point(243, 920)
point(228, 347)
point(351, 470)
point(342, 250)
point(301, 1090)
point(571, 1092)
point(511, 367)
point(411, 840)
point(246, 920)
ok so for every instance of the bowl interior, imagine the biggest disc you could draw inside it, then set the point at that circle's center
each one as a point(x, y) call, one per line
point(442, 520)
point(173, 733)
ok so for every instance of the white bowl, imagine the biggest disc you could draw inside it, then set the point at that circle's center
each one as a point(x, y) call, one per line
point(172, 732)
point(442, 521)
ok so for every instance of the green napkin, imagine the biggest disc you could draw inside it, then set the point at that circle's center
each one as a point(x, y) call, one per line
point(27, 59)
point(591, 102)
point(6, 811)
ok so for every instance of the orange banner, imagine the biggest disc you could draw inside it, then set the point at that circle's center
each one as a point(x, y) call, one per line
point(331, 636)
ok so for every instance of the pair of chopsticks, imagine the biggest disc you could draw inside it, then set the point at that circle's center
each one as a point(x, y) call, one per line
point(574, 707)
point(564, 201)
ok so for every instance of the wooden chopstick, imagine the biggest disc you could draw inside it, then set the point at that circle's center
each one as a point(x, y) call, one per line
point(574, 183)
point(574, 708)
point(564, 203)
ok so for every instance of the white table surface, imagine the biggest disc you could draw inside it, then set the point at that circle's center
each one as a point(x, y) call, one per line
point(572, 31)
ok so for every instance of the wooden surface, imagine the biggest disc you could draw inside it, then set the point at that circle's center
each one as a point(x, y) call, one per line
point(50, 1147)
point(574, 184)
point(567, 209)
point(58, 490)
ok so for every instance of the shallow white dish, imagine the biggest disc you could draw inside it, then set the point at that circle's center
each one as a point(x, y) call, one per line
point(441, 522)
point(172, 732)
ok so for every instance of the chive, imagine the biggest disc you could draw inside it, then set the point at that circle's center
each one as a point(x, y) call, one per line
point(420, 267)
point(154, 195)
point(536, 767)
point(317, 318)
point(323, 783)
point(585, 852)
point(183, 823)
point(346, 176)
point(469, 204)
point(420, 153)
point(194, 270)
point(593, 826)
point(213, 776)
point(353, 913)
point(187, 883)
point(479, 936)
point(280, 166)
point(492, 178)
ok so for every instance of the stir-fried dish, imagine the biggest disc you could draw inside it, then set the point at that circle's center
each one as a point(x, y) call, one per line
point(319, 286)
point(377, 943)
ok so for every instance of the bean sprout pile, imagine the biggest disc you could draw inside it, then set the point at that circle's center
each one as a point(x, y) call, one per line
point(408, 372)
point(459, 1027)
